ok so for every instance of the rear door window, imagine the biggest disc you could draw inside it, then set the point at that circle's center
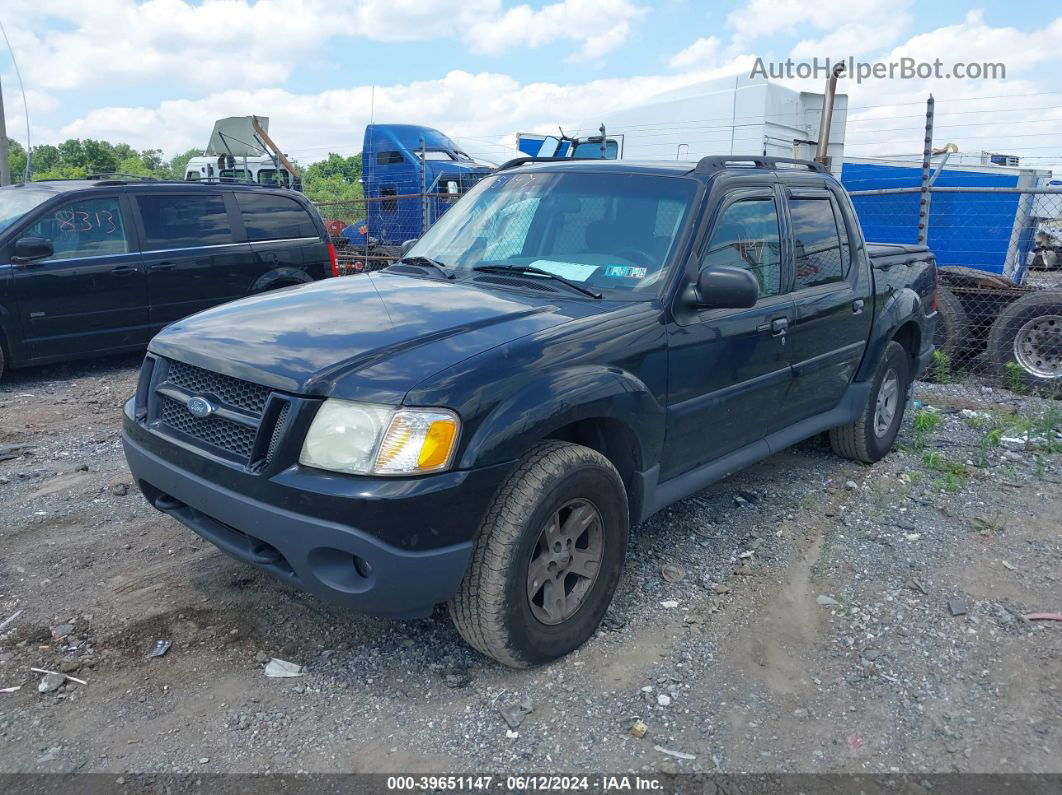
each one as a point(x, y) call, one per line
point(267, 217)
point(818, 257)
point(184, 220)
point(86, 228)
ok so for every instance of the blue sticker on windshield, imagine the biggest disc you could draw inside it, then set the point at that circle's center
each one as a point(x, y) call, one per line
point(625, 272)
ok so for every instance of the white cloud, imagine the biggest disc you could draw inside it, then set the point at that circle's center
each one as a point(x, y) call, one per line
point(308, 126)
point(237, 43)
point(853, 28)
point(600, 25)
point(702, 52)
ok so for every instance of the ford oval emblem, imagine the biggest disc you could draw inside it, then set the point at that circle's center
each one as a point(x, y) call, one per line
point(200, 407)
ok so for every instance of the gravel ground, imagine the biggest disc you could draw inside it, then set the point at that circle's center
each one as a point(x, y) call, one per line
point(824, 617)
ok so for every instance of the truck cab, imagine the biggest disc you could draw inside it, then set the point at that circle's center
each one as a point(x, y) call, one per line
point(406, 160)
point(261, 169)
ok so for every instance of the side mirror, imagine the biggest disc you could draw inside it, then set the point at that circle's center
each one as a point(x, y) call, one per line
point(406, 246)
point(451, 187)
point(726, 287)
point(28, 249)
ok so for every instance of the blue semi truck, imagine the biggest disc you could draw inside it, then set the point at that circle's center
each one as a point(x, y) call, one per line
point(410, 175)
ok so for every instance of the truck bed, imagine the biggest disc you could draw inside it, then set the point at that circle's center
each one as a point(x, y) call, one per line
point(885, 255)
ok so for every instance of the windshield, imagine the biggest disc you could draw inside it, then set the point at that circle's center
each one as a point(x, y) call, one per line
point(16, 202)
point(611, 232)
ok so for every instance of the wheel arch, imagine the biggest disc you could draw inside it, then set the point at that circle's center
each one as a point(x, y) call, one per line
point(899, 320)
point(279, 277)
point(606, 410)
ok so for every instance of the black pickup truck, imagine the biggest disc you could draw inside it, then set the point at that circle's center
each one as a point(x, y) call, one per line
point(572, 347)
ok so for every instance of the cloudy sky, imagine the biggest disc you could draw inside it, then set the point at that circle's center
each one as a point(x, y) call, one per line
point(156, 73)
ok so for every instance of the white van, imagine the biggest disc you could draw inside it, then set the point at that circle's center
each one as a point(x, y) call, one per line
point(225, 168)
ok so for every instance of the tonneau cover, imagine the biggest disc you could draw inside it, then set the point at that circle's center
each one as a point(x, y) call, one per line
point(883, 255)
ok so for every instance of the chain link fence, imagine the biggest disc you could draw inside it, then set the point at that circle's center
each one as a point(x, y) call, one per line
point(368, 232)
point(1000, 256)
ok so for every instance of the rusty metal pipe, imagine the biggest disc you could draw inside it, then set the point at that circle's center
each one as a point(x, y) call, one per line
point(827, 113)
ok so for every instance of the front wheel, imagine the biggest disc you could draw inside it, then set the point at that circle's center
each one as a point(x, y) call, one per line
point(871, 437)
point(547, 559)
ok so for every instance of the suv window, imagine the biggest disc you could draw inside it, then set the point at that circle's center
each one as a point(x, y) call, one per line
point(746, 236)
point(86, 228)
point(817, 255)
point(267, 217)
point(184, 220)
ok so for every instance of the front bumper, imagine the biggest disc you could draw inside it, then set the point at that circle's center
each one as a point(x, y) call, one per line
point(296, 536)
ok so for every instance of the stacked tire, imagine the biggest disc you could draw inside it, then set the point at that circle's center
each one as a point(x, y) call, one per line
point(1025, 343)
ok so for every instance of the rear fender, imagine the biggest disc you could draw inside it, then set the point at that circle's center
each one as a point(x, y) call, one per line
point(903, 306)
point(280, 276)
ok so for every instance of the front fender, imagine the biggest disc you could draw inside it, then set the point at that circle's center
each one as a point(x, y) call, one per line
point(560, 398)
point(902, 307)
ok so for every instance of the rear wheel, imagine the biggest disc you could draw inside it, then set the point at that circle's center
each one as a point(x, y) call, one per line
point(1, 360)
point(547, 559)
point(872, 436)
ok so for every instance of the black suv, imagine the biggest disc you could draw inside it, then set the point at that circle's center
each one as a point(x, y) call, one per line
point(97, 266)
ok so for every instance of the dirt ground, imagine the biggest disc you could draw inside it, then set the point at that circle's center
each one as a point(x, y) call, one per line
point(829, 618)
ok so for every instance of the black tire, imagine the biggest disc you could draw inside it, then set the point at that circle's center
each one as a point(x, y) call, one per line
point(492, 609)
point(953, 325)
point(863, 440)
point(1, 360)
point(1037, 319)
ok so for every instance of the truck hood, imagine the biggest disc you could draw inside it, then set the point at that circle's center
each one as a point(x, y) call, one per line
point(368, 337)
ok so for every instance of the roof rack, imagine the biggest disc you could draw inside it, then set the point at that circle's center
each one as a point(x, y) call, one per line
point(117, 175)
point(713, 163)
point(519, 161)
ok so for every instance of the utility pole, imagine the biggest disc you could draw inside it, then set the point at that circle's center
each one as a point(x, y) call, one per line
point(5, 169)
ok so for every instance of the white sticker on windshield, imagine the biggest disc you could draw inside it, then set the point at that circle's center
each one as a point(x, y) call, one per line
point(575, 271)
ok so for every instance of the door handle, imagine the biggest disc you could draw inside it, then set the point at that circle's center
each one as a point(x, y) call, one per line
point(778, 327)
point(124, 269)
point(164, 266)
point(857, 306)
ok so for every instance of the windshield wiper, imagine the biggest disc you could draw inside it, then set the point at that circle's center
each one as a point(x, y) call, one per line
point(428, 262)
point(531, 269)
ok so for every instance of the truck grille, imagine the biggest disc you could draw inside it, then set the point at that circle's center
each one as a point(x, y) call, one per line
point(213, 431)
point(247, 422)
point(239, 394)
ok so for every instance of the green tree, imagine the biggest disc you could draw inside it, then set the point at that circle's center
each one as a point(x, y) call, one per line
point(134, 165)
point(16, 160)
point(152, 160)
point(45, 157)
point(71, 154)
point(176, 166)
point(336, 178)
point(100, 157)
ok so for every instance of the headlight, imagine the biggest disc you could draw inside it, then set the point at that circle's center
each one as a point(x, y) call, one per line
point(370, 439)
